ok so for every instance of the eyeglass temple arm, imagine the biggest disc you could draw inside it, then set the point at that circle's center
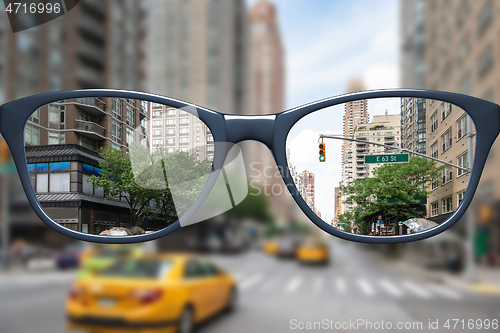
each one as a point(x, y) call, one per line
point(321, 136)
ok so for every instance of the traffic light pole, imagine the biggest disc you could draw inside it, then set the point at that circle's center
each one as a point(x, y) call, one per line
point(321, 136)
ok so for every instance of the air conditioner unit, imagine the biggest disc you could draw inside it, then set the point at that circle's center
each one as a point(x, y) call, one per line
point(87, 127)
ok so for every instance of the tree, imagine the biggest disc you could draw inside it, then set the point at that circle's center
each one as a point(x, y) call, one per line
point(398, 191)
point(117, 179)
point(157, 185)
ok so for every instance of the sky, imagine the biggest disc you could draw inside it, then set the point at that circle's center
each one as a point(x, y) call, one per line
point(327, 43)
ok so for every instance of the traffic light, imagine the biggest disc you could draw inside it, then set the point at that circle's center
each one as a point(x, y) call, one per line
point(322, 152)
point(4, 152)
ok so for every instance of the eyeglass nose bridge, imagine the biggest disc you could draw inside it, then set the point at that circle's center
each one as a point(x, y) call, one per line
point(258, 128)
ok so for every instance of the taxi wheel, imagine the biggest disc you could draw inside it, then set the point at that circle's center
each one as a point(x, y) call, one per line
point(232, 300)
point(186, 321)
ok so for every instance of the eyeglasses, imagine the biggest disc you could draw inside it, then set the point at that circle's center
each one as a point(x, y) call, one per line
point(113, 166)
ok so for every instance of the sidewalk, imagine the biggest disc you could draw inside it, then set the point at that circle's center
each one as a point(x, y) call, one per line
point(487, 279)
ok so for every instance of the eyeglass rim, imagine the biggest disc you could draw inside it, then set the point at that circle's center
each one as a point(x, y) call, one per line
point(485, 115)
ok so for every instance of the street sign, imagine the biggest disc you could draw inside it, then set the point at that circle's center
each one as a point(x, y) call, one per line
point(387, 158)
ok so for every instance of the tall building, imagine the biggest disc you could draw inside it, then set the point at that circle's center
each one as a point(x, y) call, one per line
point(268, 73)
point(355, 115)
point(383, 129)
point(62, 142)
point(198, 51)
point(414, 124)
point(98, 44)
point(307, 188)
point(458, 41)
point(413, 43)
point(268, 95)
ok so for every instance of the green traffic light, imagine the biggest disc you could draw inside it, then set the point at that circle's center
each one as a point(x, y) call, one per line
point(322, 158)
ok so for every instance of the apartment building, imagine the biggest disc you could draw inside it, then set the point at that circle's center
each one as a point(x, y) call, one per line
point(383, 129)
point(98, 44)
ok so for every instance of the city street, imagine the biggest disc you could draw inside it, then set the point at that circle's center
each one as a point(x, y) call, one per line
point(280, 295)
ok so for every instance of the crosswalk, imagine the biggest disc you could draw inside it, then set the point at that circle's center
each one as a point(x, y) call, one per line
point(348, 286)
point(36, 279)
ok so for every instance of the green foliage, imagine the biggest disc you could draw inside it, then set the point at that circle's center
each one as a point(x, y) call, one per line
point(154, 185)
point(397, 190)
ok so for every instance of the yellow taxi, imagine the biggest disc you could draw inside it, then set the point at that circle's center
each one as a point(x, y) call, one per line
point(313, 250)
point(270, 247)
point(151, 293)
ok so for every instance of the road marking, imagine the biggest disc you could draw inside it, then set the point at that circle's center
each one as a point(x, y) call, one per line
point(453, 294)
point(318, 284)
point(416, 289)
point(390, 288)
point(365, 287)
point(293, 285)
point(341, 286)
point(269, 284)
point(247, 283)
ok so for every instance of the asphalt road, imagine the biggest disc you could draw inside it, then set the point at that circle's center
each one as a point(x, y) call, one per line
point(357, 291)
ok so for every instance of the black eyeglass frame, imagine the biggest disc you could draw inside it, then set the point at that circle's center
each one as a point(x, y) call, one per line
point(271, 130)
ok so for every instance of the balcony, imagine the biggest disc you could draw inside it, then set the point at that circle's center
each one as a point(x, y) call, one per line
point(89, 129)
point(89, 77)
point(91, 26)
point(92, 105)
point(91, 52)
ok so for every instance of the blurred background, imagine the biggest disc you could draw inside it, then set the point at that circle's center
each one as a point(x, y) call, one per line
point(261, 57)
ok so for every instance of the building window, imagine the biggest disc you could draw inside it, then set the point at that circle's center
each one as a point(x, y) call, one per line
point(32, 135)
point(184, 130)
point(446, 140)
point(197, 139)
point(85, 116)
point(462, 161)
point(171, 112)
point(197, 128)
point(88, 143)
point(157, 142)
point(210, 138)
point(447, 175)
point(485, 17)
point(56, 116)
point(434, 122)
point(130, 116)
point(170, 141)
point(434, 209)
point(184, 140)
point(157, 105)
point(56, 138)
point(170, 150)
point(116, 131)
point(445, 110)
point(184, 121)
point(157, 123)
point(434, 150)
point(157, 132)
point(485, 62)
point(461, 127)
point(170, 121)
point(171, 131)
point(460, 197)
point(116, 108)
point(157, 114)
point(130, 136)
point(434, 184)
point(447, 204)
